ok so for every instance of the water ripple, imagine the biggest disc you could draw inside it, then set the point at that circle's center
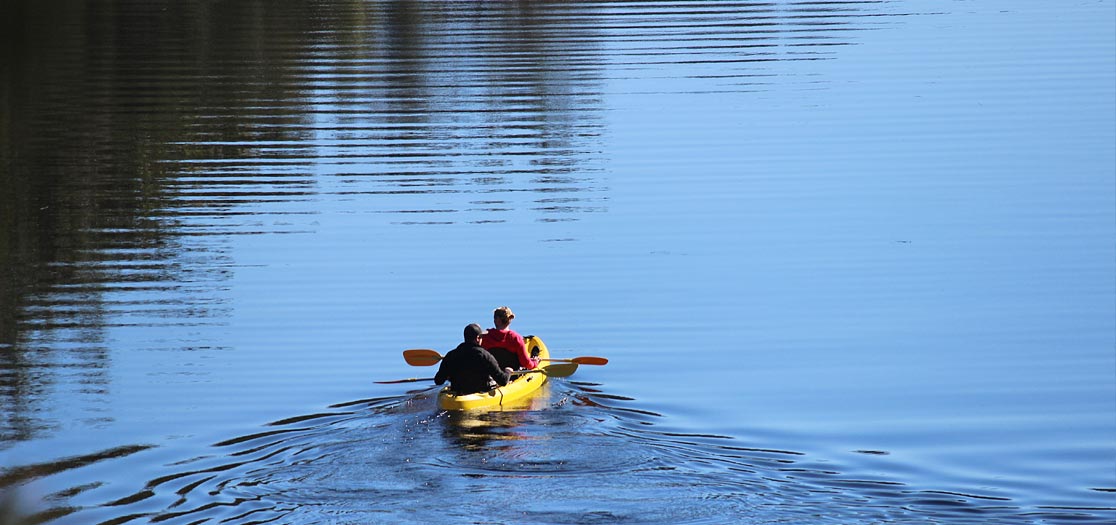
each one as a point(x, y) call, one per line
point(397, 457)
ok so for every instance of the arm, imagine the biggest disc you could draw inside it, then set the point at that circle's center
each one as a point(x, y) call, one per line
point(520, 350)
point(443, 372)
point(494, 371)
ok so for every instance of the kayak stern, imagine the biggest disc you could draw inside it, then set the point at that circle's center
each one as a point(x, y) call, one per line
point(506, 396)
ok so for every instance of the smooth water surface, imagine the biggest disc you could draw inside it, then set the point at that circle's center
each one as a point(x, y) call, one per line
point(851, 261)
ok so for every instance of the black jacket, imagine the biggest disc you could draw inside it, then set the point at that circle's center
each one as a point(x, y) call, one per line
point(468, 368)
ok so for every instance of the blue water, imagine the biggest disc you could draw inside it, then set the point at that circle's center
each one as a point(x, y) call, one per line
point(851, 262)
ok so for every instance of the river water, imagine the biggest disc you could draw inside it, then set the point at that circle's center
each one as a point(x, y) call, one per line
point(851, 261)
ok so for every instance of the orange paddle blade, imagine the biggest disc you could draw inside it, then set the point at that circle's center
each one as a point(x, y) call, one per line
point(421, 357)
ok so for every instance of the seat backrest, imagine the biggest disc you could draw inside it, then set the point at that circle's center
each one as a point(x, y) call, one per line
point(505, 357)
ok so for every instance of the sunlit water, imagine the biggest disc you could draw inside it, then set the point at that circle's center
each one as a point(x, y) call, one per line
point(852, 262)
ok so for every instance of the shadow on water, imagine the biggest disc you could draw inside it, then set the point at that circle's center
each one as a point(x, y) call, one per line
point(578, 454)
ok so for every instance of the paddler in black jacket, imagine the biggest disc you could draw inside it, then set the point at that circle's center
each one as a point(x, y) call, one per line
point(469, 367)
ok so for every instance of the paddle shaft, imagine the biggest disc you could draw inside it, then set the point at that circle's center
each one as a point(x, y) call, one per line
point(564, 370)
point(427, 357)
point(583, 360)
point(411, 380)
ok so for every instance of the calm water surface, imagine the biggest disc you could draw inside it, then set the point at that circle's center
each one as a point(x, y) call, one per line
point(851, 261)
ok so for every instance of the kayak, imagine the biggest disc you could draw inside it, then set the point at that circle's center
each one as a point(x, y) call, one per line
point(516, 390)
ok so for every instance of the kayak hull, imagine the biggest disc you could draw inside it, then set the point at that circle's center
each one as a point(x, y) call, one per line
point(519, 388)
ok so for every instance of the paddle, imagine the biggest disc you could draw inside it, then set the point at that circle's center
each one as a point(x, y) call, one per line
point(583, 360)
point(421, 357)
point(411, 380)
point(560, 370)
point(426, 357)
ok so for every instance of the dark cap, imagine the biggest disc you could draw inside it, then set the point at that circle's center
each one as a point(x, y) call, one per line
point(473, 331)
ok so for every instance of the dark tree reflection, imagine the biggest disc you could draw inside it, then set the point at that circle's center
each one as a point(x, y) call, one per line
point(133, 132)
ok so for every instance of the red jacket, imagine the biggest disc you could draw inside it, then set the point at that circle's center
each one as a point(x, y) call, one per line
point(510, 341)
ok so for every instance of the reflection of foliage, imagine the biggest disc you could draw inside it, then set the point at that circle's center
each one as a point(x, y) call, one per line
point(93, 100)
point(88, 116)
point(96, 100)
point(123, 121)
point(10, 513)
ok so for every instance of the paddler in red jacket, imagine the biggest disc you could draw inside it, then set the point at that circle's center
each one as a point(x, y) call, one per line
point(505, 345)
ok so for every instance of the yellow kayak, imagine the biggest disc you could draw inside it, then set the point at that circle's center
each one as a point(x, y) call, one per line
point(516, 390)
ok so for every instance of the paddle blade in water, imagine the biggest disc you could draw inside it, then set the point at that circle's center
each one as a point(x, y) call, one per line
point(560, 370)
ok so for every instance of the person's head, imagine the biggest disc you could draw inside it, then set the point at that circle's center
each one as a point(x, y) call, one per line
point(502, 317)
point(473, 333)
